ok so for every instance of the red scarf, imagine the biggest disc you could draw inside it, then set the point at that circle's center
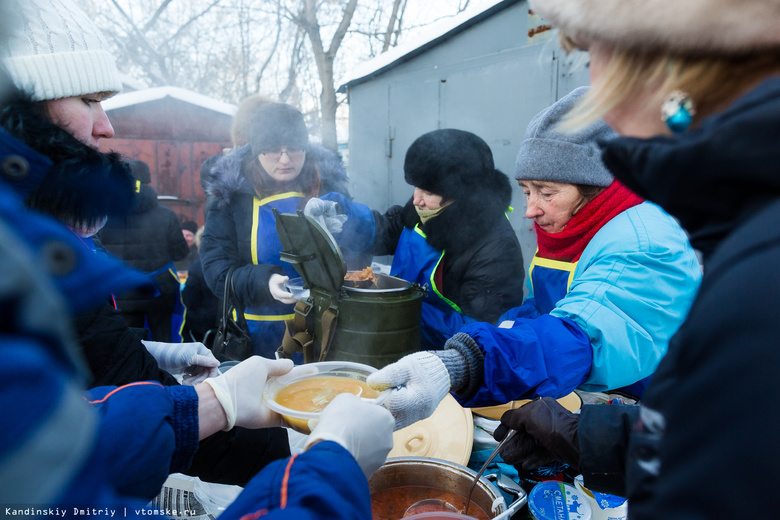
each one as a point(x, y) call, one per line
point(568, 244)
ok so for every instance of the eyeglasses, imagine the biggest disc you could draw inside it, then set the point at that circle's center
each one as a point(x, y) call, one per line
point(294, 154)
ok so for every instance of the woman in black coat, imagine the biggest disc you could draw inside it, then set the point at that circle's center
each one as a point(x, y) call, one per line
point(452, 237)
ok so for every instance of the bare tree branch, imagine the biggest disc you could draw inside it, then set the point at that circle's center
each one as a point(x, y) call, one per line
point(391, 25)
point(190, 22)
point(155, 16)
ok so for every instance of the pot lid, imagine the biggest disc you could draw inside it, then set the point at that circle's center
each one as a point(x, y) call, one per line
point(447, 434)
point(311, 250)
point(571, 402)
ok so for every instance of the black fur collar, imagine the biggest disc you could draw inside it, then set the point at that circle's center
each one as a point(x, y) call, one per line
point(465, 222)
point(83, 184)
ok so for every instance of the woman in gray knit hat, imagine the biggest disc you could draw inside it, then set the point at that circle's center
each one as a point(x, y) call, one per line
point(693, 88)
point(592, 320)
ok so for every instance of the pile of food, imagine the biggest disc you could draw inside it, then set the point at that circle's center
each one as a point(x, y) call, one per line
point(364, 278)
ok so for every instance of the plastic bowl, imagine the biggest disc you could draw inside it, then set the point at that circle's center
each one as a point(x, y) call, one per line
point(295, 286)
point(323, 390)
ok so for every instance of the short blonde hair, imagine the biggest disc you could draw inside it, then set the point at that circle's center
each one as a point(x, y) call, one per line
point(199, 236)
point(713, 82)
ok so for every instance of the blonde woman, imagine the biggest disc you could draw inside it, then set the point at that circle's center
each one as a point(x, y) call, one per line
point(694, 89)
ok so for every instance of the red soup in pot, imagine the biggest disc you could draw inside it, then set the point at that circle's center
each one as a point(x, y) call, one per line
point(392, 503)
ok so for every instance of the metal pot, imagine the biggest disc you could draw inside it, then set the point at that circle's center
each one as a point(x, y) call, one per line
point(451, 477)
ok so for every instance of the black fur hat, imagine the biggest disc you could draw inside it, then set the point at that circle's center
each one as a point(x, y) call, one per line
point(450, 163)
point(276, 125)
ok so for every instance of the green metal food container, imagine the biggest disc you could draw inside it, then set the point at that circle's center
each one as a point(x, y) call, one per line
point(374, 325)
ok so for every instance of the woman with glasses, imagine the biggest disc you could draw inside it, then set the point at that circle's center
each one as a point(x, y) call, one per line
point(272, 171)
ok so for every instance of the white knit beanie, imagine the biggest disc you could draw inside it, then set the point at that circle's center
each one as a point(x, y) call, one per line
point(55, 51)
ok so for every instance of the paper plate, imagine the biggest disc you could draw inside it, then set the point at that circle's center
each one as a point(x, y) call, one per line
point(571, 402)
point(448, 434)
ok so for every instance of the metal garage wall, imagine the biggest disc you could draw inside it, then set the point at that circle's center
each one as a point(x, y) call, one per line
point(490, 79)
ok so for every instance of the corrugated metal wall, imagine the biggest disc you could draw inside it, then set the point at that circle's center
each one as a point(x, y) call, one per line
point(490, 79)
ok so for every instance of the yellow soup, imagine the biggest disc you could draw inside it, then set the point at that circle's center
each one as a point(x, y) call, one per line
point(313, 395)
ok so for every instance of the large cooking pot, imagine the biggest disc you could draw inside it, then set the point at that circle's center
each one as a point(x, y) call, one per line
point(447, 476)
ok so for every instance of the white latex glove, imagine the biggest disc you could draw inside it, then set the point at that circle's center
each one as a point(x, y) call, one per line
point(419, 381)
point(240, 392)
point(326, 214)
point(363, 429)
point(194, 359)
point(276, 286)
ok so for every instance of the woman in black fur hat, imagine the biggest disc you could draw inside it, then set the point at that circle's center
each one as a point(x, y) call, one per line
point(451, 236)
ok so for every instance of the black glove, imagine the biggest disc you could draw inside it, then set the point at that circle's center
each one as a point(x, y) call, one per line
point(546, 432)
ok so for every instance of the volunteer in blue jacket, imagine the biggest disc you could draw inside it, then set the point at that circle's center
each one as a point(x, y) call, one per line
point(452, 236)
point(611, 281)
point(274, 171)
point(103, 448)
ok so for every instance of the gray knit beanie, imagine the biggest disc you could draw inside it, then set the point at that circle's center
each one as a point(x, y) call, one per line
point(55, 51)
point(547, 154)
point(276, 125)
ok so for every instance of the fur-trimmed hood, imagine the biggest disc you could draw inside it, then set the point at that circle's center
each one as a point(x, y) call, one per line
point(225, 177)
point(83, 185)
point(468, 220)
point(688, 26)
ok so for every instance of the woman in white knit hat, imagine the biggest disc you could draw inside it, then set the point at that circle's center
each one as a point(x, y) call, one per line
point(58, 57)
point(62, 60)
point(694, 89)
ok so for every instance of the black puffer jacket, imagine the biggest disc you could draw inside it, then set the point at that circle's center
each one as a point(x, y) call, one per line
point(149, 237)
point(483, 262)
point(706, 444)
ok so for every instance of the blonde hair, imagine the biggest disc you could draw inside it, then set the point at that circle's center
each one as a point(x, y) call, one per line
point(712, 82)
point(199, 236)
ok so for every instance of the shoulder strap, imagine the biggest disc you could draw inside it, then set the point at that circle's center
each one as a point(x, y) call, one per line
point(233, 301)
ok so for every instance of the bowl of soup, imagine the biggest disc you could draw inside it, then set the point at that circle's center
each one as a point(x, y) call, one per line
point(303, 393)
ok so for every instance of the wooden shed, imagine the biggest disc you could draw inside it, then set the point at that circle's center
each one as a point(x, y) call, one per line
point(173, 130)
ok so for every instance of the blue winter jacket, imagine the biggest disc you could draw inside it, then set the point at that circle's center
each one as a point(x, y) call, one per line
point(48, 271)
point(630, 291)
point(61, 448)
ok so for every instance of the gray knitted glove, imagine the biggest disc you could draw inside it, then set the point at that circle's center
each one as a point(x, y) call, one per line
point(419, 381)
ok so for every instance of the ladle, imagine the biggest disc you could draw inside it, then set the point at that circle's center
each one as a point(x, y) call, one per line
point(441, 505)
point(509, 435)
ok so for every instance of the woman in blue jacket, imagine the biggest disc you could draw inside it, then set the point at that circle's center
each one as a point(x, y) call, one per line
point(274, 171)
point(102, 449)
point(612, 280)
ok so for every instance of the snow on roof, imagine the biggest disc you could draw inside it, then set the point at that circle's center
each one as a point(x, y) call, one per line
point(433, 35)
point(153, 94)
